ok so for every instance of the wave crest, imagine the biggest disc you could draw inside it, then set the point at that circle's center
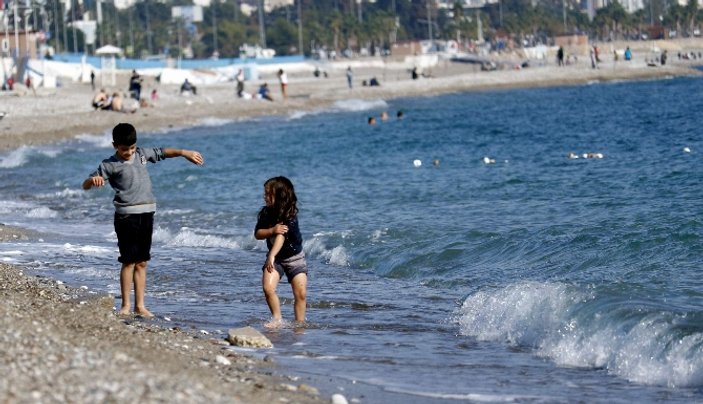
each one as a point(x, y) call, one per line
point(577, 329)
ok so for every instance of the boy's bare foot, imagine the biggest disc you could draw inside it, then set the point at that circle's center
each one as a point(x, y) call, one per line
point(143, 312)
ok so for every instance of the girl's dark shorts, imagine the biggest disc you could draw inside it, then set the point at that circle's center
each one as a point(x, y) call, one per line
point(291, 266)
point(134, 236)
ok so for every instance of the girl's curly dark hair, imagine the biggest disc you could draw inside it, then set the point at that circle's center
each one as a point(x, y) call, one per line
point(285, 203)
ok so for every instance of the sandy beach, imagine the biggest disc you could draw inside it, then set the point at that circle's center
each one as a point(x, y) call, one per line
point(61, 343)
point(49, 115)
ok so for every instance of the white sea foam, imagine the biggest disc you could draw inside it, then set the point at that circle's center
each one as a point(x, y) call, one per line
point(12, 207)
point(356, 104)
point(41, 212)
point(189, 238)
point(102, 140)
point(176, 212)
point(316, 247)
point(15, 158)
point(377, 234)
point(295, 115)
point(212, 121)
point(65, 193)
point(88, 249)
point(545, 316)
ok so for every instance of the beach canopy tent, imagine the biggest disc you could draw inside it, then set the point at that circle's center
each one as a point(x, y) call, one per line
point(107, 61)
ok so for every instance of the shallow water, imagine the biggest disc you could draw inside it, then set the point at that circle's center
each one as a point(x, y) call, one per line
point(537, 278)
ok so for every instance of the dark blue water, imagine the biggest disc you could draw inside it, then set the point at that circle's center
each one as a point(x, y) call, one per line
point(534, 278)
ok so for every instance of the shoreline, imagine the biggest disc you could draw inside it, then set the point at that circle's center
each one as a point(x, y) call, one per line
point(51, 115)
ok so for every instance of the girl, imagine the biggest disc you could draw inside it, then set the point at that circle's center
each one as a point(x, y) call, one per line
point(278, 224)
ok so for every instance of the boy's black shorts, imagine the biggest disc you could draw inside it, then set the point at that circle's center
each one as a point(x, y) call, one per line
point(134, 236)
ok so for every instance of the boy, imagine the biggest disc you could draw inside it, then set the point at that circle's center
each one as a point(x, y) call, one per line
point(135, 205)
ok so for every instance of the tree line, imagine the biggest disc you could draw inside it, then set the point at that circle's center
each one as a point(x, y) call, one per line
point(307, 26)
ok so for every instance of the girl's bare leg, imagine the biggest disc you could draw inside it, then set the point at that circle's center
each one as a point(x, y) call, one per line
point(300, 286)
point(269, 282)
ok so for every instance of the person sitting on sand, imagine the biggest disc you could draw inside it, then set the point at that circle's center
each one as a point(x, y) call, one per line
point(126, 171)
point(264, 92)
point(101, 100)
point(116, 104)
point(187, 87)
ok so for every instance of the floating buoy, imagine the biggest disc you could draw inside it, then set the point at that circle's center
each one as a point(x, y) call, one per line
point(417, 163)
point(686, 150)
point(488, 160)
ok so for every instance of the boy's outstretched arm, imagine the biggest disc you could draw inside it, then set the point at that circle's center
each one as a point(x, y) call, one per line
point(190, 155)
point(91, 182)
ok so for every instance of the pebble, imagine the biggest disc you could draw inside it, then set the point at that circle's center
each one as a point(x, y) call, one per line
point(339, 399)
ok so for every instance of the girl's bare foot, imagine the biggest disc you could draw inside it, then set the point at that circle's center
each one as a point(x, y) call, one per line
point(274, 323)
point(125, 311)
point(143, 312)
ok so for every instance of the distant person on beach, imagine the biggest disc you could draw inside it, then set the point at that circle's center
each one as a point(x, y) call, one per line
point(283, 79)
point(101, 100)
point(116, 104)
point(92, 80)
point(264, 92)
point(135, 85)
point(154, 95)
point(560, 56)
point(240, 83)
point(663, 58)
point(350, 77)
point(187, 87)
point(628, 54)
point(371, 83)
point(277, 223)
point(126, 172)
point(413, 74)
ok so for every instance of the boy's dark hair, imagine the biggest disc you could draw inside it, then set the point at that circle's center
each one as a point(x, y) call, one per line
point(124, 134)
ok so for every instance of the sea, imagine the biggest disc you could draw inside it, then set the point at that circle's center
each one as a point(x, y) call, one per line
point(456, 254)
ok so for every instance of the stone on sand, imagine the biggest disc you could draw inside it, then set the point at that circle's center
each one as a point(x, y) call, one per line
point(248, 337)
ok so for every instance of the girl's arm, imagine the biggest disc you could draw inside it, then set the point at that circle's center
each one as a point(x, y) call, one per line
point(190, 155)
point(275, 249)
point(263, 234)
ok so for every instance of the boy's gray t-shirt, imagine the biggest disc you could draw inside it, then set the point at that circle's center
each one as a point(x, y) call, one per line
point(130, 180)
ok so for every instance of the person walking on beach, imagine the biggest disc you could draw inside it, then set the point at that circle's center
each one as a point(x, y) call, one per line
point(560, 56)
point(283, 78)
point(277, 223)
point(350, 77)
point(126, 171)
point(240, 83)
